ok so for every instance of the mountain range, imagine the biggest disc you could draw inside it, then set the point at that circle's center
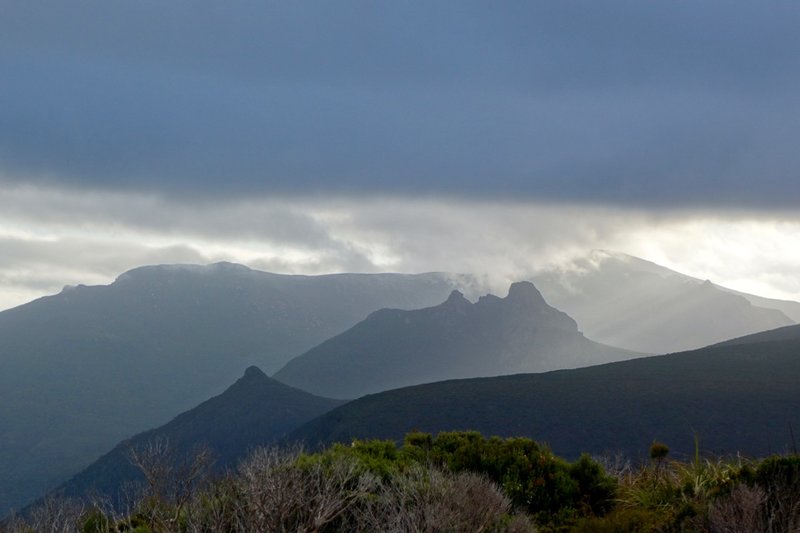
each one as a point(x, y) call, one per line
point(734, 397)
point(90, 366)
point(457, 339)
point(628, 302)
point(87, 367)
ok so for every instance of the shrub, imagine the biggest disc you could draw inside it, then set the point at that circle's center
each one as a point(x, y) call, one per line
point(596, 489)
point(624, 520)
point(531, 476)
point(429, 499)
point(741, 511)
point(658, 451)
point(779, 478)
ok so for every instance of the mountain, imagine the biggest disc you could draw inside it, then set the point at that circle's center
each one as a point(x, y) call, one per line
point(83, 369)
point(456, 339)
point(789, 308)
point(254, 411)
point(735, 398)
point(625, 301)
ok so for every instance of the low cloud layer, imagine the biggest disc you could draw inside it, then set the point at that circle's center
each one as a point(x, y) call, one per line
point(628, 103)
point(52, 237)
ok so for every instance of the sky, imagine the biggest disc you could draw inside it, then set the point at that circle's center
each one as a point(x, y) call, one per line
point(312, 137)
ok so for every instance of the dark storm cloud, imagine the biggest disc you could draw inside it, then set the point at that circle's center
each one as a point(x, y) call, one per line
point(627, 102)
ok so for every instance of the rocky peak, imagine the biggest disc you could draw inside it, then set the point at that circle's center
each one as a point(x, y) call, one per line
point(456, 298)
point(253, 372)
point(525, 293)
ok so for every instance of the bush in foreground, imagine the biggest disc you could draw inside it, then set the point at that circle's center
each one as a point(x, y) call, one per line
point(457, 481)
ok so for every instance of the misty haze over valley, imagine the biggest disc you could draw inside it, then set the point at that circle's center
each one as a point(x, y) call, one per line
point(527, 266)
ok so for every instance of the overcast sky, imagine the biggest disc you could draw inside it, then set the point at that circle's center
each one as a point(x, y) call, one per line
point(406, 136)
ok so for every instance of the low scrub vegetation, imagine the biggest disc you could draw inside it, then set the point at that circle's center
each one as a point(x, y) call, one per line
point(457, 481)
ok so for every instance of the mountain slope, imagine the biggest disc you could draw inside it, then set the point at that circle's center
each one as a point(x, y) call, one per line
point(625, 301)
point(457, 339)
point(83, 369)
point(788, 333)
point(254, 411)
point(734, 398)
point(788, 307)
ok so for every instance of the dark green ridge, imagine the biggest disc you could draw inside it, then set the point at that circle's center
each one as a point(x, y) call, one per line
point(739, 398)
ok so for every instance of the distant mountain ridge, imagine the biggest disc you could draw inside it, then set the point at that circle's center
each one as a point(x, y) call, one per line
point(83, 369)
point(789, 308)
point(456, 339)
point(254, 411)
point(787, 333)
point(628, 302)
point(733, 398)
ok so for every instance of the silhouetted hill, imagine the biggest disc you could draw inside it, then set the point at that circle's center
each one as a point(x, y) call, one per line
point(628, 302)
point(456, 339)
point(254, 411)
point(83, 369)
point(735, 398)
